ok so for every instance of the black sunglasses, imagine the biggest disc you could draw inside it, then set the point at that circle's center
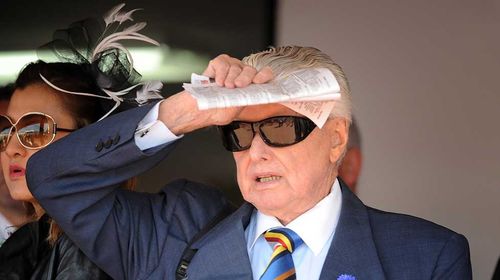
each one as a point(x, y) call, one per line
point(34, 130)
point(279, 131)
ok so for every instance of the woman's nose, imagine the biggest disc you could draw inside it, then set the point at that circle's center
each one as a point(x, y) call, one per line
point(14, 147)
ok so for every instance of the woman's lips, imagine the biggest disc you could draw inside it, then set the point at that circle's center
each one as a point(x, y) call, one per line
point(16, 171)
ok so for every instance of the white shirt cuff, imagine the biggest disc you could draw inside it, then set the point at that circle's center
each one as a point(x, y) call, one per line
point(152, 132)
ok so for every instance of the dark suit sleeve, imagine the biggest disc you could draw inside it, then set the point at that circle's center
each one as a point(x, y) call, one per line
point(454, 260)
point(125, 233)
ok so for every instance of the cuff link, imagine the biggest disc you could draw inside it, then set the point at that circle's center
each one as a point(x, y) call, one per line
point(144, 133)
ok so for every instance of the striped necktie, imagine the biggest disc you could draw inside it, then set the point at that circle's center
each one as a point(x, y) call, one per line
point(281, 266)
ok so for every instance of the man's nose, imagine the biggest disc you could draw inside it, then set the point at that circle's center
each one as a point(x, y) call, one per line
point(259, 150)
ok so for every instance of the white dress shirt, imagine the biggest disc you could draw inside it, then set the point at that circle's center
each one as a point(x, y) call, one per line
point(152, 132)
point(316, 227)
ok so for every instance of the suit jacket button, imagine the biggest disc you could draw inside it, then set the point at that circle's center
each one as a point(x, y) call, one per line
point(116, 139)
point(99, 146)
point(108, 143)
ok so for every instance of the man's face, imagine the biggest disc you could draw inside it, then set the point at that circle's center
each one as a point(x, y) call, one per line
point(287, 181)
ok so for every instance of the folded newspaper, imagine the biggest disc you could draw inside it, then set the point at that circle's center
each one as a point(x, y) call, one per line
point(310, 92)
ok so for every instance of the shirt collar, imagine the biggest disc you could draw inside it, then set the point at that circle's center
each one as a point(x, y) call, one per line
point(315, 226)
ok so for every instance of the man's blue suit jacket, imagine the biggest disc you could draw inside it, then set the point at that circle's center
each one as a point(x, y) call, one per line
point(142, 236)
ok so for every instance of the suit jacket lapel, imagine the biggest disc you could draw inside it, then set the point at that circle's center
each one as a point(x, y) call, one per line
point(222, 253)
point(353, 250)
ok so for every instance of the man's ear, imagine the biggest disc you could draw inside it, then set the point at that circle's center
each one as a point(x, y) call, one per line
point(339, 133)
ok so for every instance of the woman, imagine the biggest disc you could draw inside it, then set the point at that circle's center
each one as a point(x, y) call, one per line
point(51, 100)
point(12, 212)
point(36, 116)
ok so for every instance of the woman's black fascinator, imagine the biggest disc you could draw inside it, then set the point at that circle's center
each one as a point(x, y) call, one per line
point(96, 45)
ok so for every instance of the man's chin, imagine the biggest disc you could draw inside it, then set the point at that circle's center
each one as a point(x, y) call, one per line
point(270, 207)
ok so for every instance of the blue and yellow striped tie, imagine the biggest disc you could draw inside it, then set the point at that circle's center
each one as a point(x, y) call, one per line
point(281, 265)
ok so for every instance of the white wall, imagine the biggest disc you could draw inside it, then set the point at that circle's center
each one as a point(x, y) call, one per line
point(425, 78)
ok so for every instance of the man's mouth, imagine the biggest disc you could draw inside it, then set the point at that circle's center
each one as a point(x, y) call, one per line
point(265, 179)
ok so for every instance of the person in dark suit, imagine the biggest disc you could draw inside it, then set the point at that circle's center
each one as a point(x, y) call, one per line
point(299, 220)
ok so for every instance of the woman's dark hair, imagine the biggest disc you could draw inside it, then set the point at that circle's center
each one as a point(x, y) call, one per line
point(6, 92)
point(71, 77)
point(84, 109)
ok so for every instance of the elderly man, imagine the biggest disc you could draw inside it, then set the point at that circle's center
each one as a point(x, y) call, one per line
point(299, 221)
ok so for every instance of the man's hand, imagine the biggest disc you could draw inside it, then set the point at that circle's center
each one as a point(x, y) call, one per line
point(180, 112)
point(231, 72)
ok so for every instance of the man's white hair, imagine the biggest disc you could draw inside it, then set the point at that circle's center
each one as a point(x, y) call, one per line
point(288, 59)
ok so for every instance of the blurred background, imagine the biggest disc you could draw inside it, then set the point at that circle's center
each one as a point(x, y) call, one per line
point(424, 77)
